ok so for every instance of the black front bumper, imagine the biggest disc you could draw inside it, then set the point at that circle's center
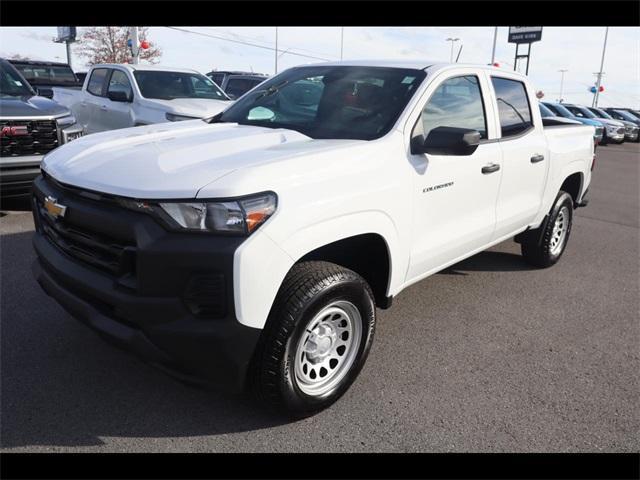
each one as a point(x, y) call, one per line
point(165, 296)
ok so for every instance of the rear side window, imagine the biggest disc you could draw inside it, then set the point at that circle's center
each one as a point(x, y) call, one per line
point(96, 82)
point(513, 106)
point(457, 102)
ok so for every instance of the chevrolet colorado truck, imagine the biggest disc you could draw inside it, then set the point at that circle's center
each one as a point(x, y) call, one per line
point(251, 249)
point(117, 96)
point(30, 127)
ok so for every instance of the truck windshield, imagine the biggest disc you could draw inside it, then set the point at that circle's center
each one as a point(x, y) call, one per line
point(171, 85)
point(60, 75)
point(581, 112)
point(11, 85)
point(627, 116)
point(601, 113)
point(545, 111)
point(348, 102)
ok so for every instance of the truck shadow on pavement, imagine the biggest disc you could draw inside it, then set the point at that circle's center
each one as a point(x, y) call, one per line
point(489, 261)
point(63, 386)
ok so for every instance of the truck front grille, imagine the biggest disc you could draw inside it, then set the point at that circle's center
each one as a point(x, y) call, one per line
point(41, 137)
point(99, 251)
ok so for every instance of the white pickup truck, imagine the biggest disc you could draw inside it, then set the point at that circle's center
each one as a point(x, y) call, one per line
point(252, 248)
point(119, 96)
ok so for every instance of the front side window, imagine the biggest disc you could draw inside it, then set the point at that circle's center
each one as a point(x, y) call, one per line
point(514, 111)
point(236, 87)
point(171, 85)
point(119, 82)
point(457, 102)
point(96, 82)
point(329, 101)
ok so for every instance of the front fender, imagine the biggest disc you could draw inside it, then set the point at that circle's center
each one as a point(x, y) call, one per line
point(261, 263)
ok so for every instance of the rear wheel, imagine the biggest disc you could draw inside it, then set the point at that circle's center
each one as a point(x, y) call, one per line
point(316, 340)
point(544, 246)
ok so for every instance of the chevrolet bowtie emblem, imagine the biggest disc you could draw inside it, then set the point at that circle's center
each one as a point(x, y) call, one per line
point(53, 208)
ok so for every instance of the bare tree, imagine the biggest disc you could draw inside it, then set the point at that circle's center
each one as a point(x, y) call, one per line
point(109, 45)
point(17, 56)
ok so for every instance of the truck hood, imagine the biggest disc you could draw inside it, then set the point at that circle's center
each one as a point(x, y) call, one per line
point(32, 106)
point(191, 107)
point(172, 160)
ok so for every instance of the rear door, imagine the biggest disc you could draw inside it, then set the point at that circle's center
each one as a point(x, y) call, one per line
point(525, 157)
point(90, 109)
point(454, 195)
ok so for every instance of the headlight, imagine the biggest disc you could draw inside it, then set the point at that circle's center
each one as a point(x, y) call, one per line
point(172, 117)
point(66, 121)
point(242, 216)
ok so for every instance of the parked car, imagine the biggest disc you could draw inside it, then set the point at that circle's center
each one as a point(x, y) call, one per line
point(43, 76)
point(631, 129)
point(30, 127)
point(622, 114)
point(634, 112)
point(236, 84)
point(120, 96)
point(614, 130)
point(253, 248)
point(562, 112)
point(81, 76)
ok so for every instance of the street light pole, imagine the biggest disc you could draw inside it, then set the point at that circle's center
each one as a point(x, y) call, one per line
point(452, 40)
point(341, 41)
point(562, 72)
point(135, 45)
point(276, 68)
point(493, 52)
point(604, 49)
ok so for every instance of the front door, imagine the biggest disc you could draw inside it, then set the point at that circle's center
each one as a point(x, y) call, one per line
point(455, 195)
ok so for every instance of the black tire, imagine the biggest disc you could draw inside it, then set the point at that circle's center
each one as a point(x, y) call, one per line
point(538, 245)
point(306, 291)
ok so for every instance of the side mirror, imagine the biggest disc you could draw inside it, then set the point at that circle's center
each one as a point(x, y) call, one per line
point(118, 96)
point(447, 141)
point(45, 92)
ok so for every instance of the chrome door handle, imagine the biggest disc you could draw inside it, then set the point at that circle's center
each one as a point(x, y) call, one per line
point(493, 167)
point(537, 158)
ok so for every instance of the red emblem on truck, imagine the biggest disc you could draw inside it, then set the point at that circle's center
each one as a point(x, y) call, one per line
point(16, 131)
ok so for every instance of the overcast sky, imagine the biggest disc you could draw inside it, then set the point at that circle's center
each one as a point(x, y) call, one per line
point(577, 49)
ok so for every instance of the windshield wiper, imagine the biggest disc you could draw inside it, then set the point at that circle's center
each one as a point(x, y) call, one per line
point(271, 90)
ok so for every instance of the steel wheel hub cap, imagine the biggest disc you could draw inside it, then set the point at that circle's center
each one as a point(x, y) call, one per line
point(559, 233)
point(328, 348)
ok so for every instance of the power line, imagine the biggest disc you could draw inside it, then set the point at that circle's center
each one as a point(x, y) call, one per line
point(264, 47)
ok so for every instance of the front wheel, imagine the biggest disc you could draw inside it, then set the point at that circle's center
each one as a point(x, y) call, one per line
point(316, 339)
point(544, 246)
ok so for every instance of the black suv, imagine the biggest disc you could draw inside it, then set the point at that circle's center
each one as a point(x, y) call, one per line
point(236, 84)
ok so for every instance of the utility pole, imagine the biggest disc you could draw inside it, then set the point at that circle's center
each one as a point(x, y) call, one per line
point(493, 52)
point(341, 41)
point(600, 73)
point(562, 72)
point(135, 44)
point(452, 40)
point(276, 68)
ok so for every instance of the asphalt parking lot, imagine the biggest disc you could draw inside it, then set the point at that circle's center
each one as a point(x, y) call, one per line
point(489, 355)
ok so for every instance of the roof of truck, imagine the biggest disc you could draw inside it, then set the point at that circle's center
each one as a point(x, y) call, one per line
point(160, 68)
point(417, 64)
